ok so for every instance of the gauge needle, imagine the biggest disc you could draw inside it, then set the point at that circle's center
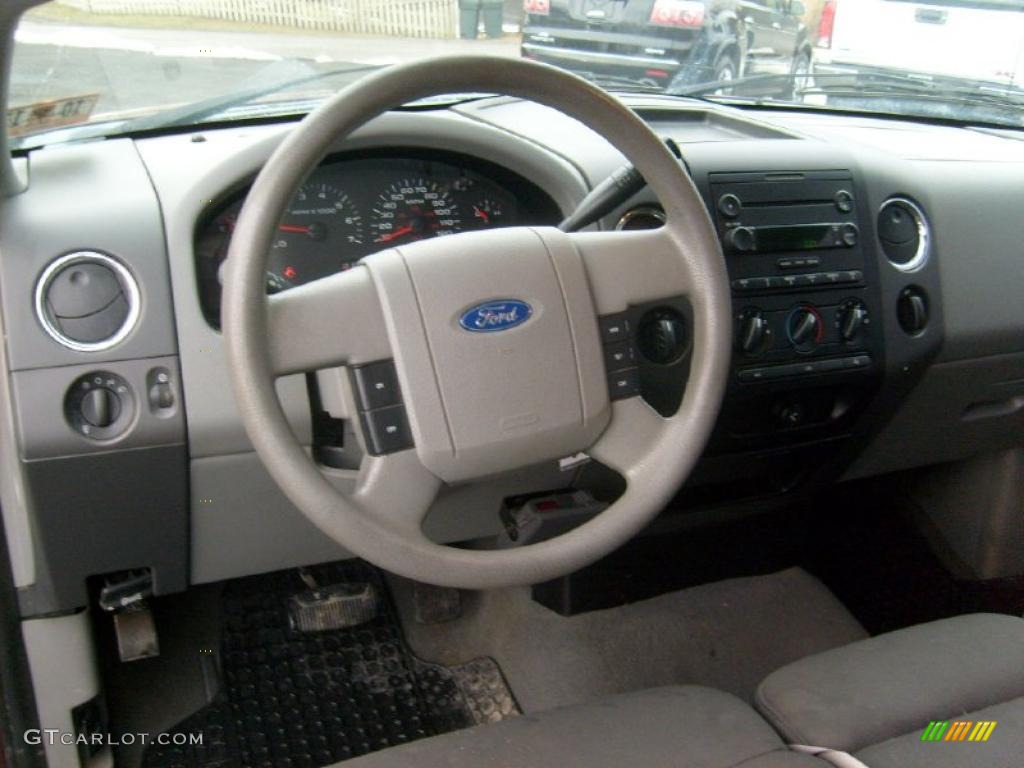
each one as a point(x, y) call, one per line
point(294, 228)
point(481, 215)
point(406, 230)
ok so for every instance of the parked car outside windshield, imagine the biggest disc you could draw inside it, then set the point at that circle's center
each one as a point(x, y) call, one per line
point(90, 68)
point(668, 43)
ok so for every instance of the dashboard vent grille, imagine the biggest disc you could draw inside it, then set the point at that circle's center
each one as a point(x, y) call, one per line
point(904, 234)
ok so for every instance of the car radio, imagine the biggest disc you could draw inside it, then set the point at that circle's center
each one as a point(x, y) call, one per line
point(798, 273)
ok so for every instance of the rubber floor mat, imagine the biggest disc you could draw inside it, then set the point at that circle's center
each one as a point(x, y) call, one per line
point(294, 700)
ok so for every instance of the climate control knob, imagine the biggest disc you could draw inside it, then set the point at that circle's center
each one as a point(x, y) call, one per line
point(851, 319)
point(754, 334)
point(805, 328)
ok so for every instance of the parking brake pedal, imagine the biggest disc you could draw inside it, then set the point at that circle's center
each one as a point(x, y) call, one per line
point(333, 606)
point(124, 595)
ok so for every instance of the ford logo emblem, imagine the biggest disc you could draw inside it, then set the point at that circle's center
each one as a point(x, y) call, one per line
point(495, 316)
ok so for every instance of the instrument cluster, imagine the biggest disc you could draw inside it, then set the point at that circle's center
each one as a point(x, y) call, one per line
point(349, 208)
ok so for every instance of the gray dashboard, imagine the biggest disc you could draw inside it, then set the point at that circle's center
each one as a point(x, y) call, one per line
point(180, 491)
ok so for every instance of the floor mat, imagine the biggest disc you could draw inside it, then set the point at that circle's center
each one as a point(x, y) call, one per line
point(294, 699)
point(727, 635)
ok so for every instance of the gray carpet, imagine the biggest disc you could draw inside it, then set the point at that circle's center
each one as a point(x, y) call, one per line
point(728, 635)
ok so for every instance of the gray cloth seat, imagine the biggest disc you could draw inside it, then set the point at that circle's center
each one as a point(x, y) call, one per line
point(875, 698)
point(676, 727)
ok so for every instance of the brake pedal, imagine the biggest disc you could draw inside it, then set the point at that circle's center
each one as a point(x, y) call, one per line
point(435, 605)
point(335, 606)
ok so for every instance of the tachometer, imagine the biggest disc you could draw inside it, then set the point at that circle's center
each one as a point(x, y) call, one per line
point(318, 230)
point(413, 209)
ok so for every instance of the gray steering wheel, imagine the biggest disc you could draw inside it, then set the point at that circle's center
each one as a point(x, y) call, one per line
point(479, 404)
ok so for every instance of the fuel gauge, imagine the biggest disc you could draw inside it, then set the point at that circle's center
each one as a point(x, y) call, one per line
point(488, 213)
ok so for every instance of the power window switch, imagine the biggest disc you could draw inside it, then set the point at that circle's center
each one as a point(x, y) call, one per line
point(386, 430)
point(623, 384)
point(376, 385)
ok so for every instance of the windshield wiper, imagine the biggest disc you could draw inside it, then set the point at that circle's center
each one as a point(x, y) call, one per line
point(618, 82)
point(187, 114)
point(868, 84)
point(200, 111)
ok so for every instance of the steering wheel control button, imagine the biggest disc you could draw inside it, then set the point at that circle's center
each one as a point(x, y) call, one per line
point(99, 405)
point(620, 355)
point(614, 327)
point(386, 430)
point(87, 301)
point(376, 385)
point(624, 384)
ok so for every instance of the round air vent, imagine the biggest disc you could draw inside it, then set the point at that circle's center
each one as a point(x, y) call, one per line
point(647, 217)
point(904, 234)
point(87, 301)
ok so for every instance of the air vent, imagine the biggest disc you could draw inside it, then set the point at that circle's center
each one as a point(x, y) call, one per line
point(87, 301)
point(904, 234)
point(647, 217)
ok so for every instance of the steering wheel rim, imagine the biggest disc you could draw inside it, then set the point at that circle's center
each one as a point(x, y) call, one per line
point(267, 337)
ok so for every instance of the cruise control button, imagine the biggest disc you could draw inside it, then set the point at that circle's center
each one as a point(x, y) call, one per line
point(619, 355)
point(623, 384)
point(386, 430)
point(614, 327)
point(376, 385)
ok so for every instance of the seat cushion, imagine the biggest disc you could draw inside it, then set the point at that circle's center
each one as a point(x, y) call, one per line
point(888, 688)
point(1004, 747)
point(678, 727)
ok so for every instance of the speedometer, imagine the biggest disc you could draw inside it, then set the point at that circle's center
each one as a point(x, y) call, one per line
point(414, 209)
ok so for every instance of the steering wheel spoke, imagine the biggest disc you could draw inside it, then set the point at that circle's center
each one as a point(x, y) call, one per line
point(636, 267)
point(333, 321)
point(397, 490)
point(635, 431)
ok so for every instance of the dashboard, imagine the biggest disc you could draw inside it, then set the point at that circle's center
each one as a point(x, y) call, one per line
point(877, 321)
point(351, 207)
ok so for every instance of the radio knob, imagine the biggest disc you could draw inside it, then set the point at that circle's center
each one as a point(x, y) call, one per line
point(850, 235)
point(742, 239)
point(754, 334)
point(852, 317)
point(729, 205)
point(805, 328)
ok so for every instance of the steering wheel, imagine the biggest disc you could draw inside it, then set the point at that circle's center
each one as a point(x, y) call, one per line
point(478, 404)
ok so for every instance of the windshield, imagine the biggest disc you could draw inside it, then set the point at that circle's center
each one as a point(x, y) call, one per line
point(84, 68)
